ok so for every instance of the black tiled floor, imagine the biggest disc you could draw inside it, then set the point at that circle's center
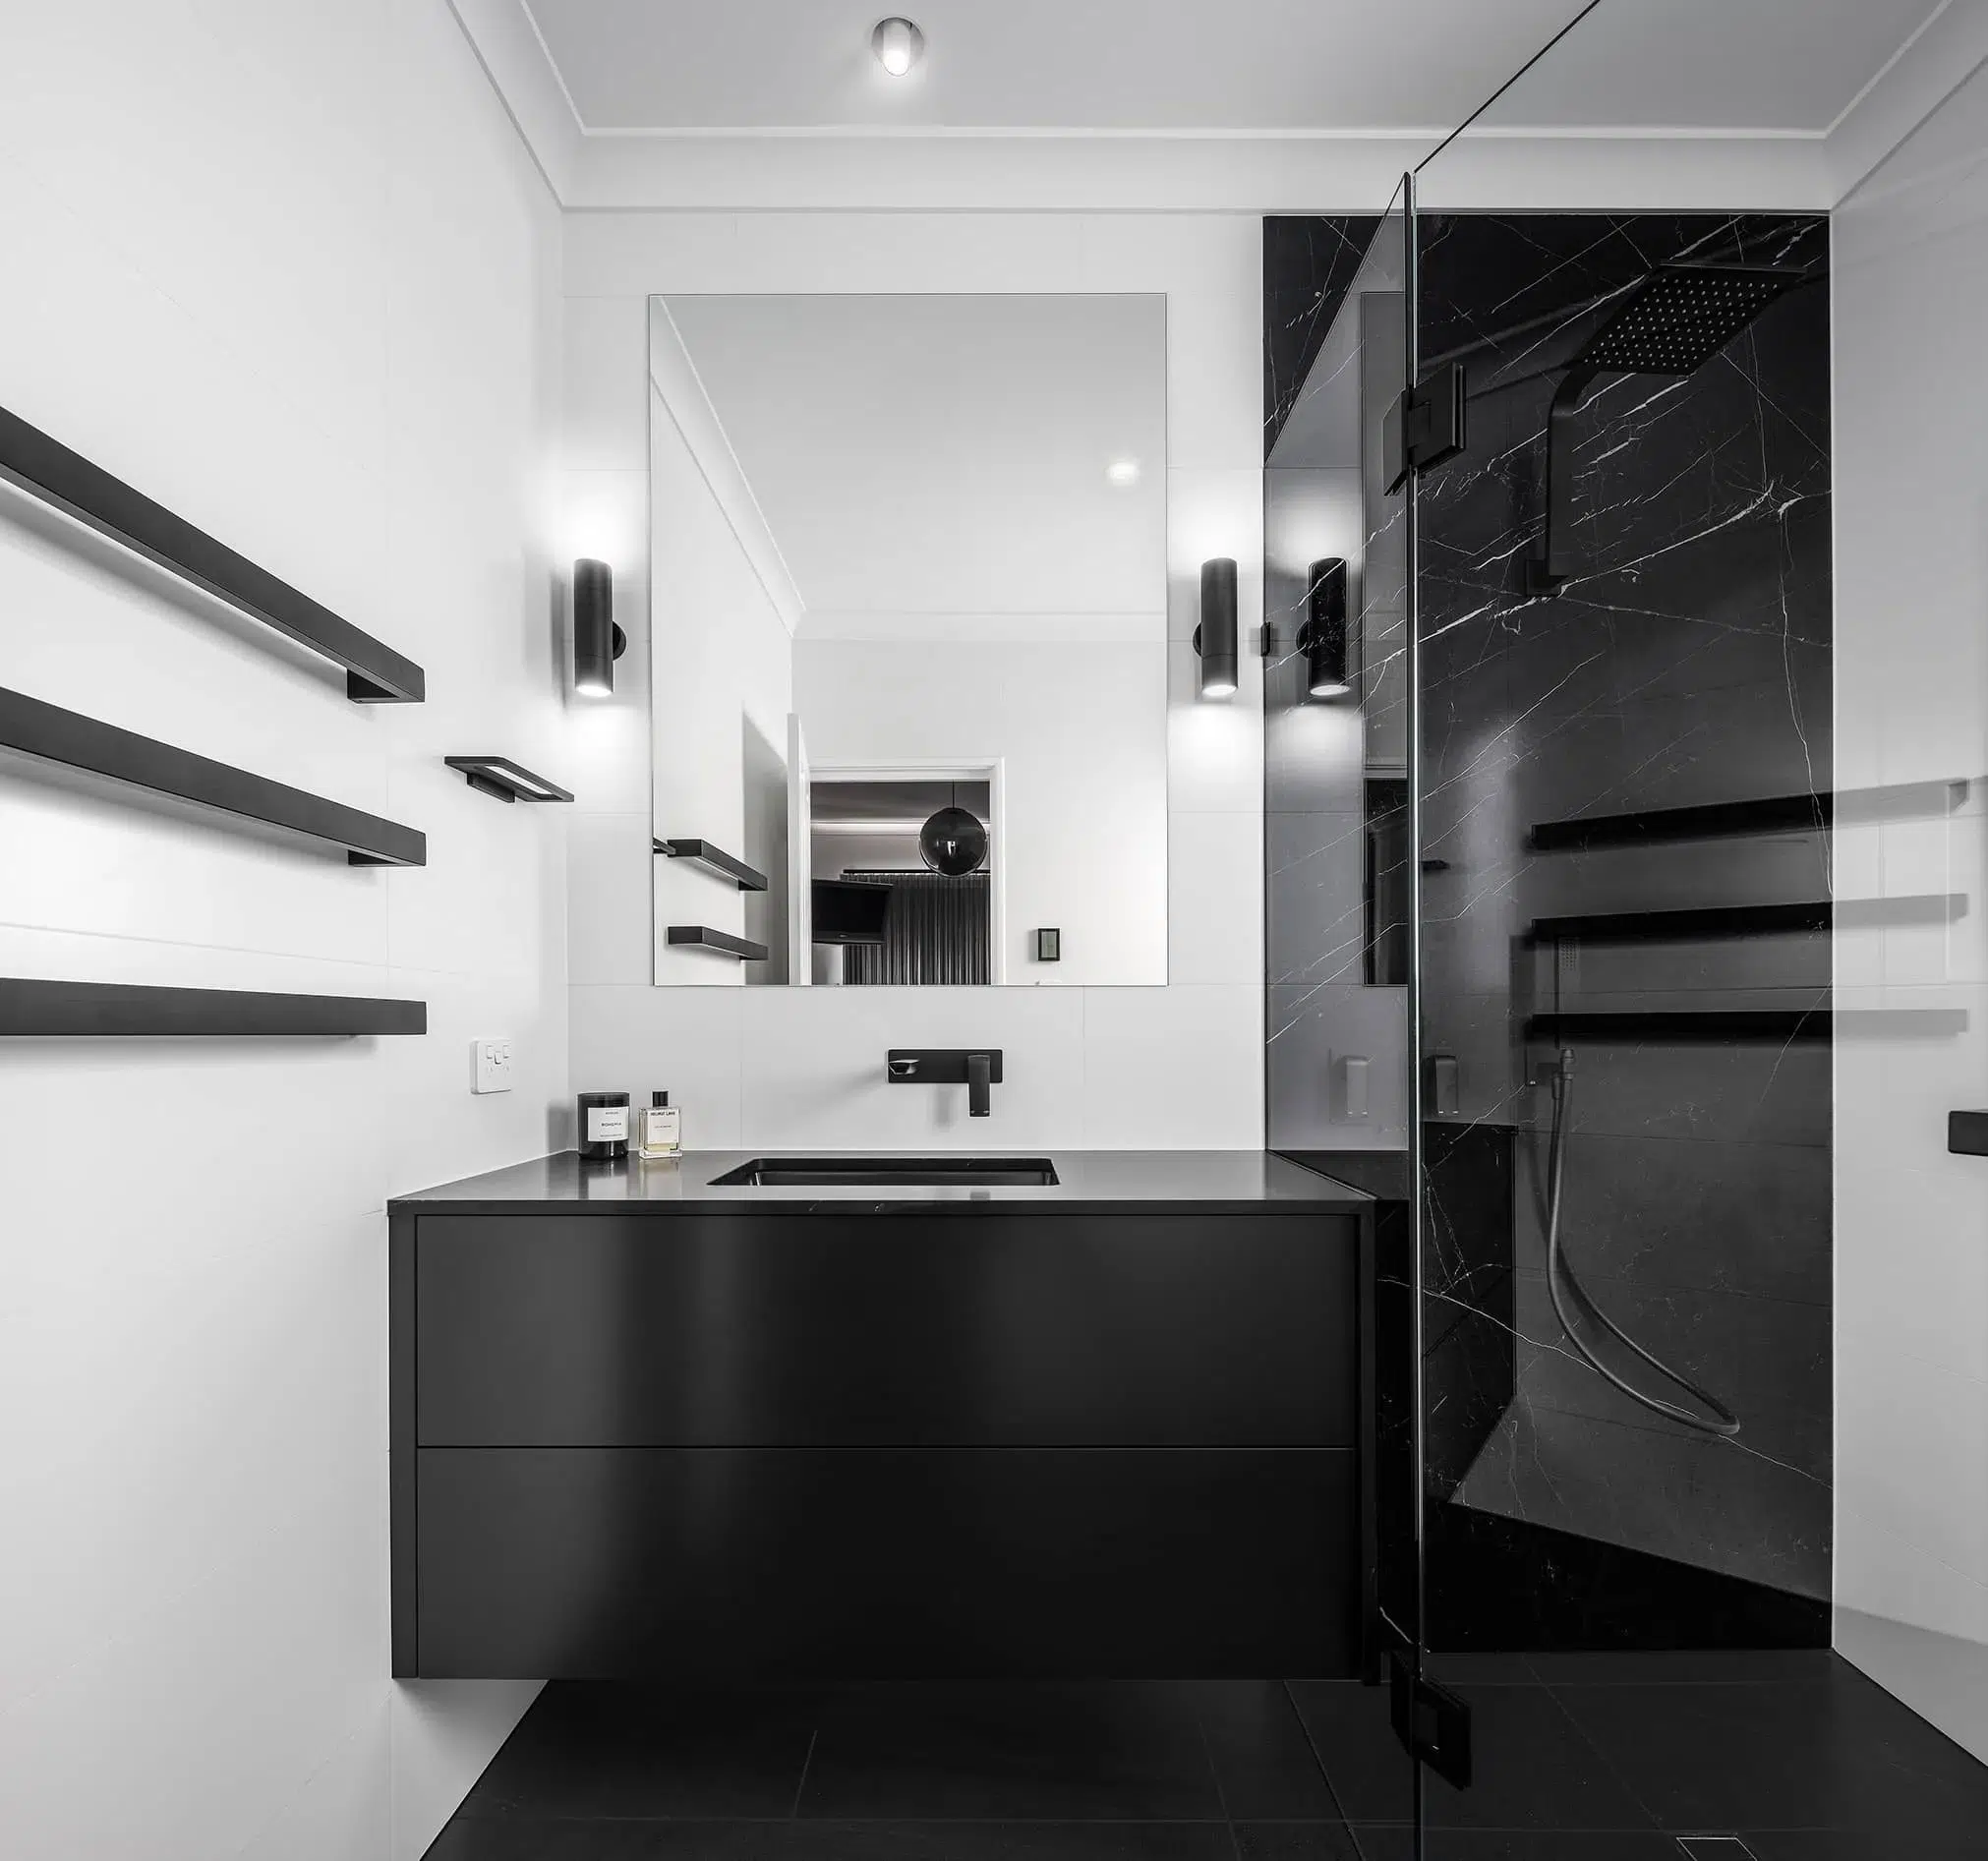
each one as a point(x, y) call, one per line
point(1592, 1758)
point(1131, 1749)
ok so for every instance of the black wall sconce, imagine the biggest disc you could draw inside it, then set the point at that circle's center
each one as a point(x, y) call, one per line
point(596, 641)
point(1216, 637)
point(1322, 637)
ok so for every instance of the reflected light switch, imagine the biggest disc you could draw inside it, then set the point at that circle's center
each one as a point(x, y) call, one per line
point(1353, 1086)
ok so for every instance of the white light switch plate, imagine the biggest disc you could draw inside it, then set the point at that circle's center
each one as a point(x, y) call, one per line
point(493, 1066)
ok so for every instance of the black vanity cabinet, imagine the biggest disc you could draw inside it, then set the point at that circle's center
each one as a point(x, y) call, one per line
point(774, 1437)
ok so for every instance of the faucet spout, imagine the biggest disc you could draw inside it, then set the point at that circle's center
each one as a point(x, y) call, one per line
point(979, 1084)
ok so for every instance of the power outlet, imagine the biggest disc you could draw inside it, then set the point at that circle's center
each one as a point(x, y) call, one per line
point(493, 1066)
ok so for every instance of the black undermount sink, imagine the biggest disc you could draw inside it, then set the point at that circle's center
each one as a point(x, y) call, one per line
point(885, 1172)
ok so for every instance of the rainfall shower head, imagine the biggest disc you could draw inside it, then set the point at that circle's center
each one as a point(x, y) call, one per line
point(1671, 323)
point(1680, 316)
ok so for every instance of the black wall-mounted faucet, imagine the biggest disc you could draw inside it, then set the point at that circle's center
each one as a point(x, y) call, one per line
point(977, 1069)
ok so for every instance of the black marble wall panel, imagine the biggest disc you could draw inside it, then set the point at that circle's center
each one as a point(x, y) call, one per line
point(1686, 661)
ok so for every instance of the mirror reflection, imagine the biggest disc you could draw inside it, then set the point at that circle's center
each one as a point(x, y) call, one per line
point(907, 629)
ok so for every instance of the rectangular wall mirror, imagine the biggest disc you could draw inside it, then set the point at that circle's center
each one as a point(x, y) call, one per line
point(909, 639)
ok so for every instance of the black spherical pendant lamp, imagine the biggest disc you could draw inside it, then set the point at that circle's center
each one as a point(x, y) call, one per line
point(954, 841)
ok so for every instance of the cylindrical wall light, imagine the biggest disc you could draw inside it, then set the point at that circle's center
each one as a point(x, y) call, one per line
point(1322, 637)
point(596, 641)
point(898, 45)
point(1216, 637)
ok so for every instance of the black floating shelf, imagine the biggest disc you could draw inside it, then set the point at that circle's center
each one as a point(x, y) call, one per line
point(47, 731)
point(47, 469)
point(1967, 1133)
point(1717, 820)
point(703, 853)
point(124, 1008)
point(1734, 1023)
point(1642, 927)
point(721, 942)
point(505, 780)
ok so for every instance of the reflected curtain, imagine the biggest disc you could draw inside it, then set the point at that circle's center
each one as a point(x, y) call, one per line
point(935, 930)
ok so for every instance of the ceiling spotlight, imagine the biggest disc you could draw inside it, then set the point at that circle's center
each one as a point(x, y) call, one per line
point(1122, 472)
point(897, 45)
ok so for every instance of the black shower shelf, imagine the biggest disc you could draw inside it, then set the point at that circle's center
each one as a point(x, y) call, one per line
point(124, 1008)
point(703, 852)
point(52, 734)
point(703, 937)
point(1641, 927)
point(48, 470)
point(1716, 820)
point(1734, 1023)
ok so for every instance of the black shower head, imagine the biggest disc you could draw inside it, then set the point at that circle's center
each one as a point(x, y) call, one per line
point(1680, 316)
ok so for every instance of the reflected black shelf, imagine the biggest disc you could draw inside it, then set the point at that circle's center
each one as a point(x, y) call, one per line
point(52, 734)
point(99, 1008)
point(720, 943)
point(1725, 920)
point(1717, 820)
point(1729, 1023)
point(703, 852)
point(505, 780)
point(374, 674)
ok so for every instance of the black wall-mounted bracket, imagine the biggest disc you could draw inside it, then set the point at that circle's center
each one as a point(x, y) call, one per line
point(719, 943)
point(1967, 1133)
point(1425, 427)
point(51, 735)
point(505, 780)
point(47, 469)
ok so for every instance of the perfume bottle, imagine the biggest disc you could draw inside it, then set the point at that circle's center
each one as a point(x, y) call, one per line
point(662, 1129)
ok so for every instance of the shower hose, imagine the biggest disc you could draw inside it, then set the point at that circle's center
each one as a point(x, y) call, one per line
point(1564, 1284)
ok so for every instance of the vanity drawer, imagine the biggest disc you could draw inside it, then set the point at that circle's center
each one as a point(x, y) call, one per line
point(884, 1564)
point(809, 1329)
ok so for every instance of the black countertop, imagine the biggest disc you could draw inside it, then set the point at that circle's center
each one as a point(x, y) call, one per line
point(1088, 1182)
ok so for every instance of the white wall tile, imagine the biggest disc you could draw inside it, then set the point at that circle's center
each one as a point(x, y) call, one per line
point(685, 1042)
point(1174, 1069)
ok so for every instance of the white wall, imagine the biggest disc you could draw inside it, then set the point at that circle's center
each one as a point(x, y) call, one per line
point(288, 270)
point(1911, 672)
point(1077, 727)
point(1099, 1068)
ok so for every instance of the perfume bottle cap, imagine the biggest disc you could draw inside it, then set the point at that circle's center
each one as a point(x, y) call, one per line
point(659, 1098)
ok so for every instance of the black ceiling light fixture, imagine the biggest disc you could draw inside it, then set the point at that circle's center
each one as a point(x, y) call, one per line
point(954, 841)
point(1216, 637)
point(596, 641)
point(897, 45)
point(1322, 637)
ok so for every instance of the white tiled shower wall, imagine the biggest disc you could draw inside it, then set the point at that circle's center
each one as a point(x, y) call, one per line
point(1087, 1069)
point(288, 271)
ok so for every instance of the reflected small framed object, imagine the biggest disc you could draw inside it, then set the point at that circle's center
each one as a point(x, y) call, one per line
point(1049, 945)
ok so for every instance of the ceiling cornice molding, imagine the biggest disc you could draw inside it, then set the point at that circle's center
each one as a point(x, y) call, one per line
point(1926, 71)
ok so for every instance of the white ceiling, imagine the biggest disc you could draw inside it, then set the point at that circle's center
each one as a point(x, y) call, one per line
point(1248, 65)
point(935, 466)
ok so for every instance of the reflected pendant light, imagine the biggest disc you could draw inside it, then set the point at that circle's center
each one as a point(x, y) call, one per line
point(897, 45)
point(1216, 637)
point(596, 641)
point(1322, 637)
point(954, 841)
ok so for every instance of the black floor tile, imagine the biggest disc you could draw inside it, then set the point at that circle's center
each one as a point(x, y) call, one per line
point(521, 1838)
point(1847, 1846)
point(1295, 1841)
point(1532, 1768)
point(1131, 1750)
point(597, 1748)
point(1264, 1760)
point(1838, 1755)
point(1514, 1845)
point(1498, 1670)
point(1745, 1667)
